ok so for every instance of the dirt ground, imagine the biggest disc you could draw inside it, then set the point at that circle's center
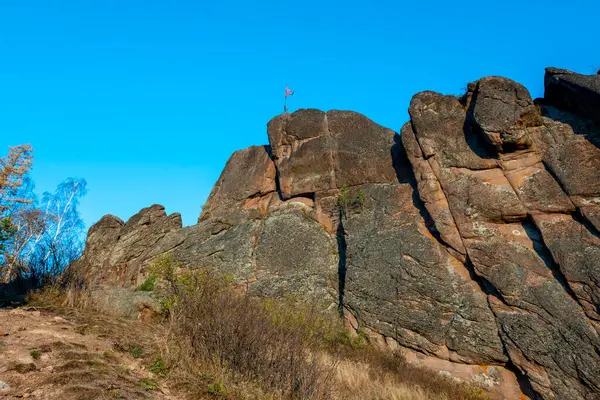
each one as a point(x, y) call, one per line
point(46, 354)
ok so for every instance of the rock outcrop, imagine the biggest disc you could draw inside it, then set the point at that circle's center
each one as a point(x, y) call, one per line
point(470, 241)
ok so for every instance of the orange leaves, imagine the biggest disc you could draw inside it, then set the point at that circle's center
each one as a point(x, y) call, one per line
point(13, 169)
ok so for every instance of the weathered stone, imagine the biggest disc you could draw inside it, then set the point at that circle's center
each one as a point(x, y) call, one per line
point(576, 250)
point(497, 381)
point(316, 151)
point(294, 256)
point(405, 285)
point(569, 90)
point(570, 148)
point(101, 239)
point(431, 192)
point(474, 185)
point(136, 238)
point(440, 123)
point(229, 249)
point(116, 252)
point(118, 301)
point(302, 150)
point(590, 208)
point(572, 158)
point(560, 361)
point(242, 188)
point(504, 250)
point(503, 110)
point(536, 188)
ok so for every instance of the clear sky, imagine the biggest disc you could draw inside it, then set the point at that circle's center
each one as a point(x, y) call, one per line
point(147, 99)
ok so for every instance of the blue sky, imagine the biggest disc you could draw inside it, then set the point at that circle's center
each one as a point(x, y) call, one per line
point(147, 99)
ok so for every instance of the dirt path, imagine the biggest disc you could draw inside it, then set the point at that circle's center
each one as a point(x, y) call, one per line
point(68, 355)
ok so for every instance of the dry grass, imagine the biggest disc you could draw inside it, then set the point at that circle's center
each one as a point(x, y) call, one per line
point(358, 380)
point(215, 342)
point(386, 373)
point(355, 381)
point(267, 349)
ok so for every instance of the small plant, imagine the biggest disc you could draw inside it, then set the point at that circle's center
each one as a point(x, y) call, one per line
point(35, 354)
point(148, 384)
point(346, 203)
point(148, 285)
point(158, 366)
point(218, 389)
point(360, 340)
point(109, 355)
point(136, 351)
point(359, 200)
point(343, 201)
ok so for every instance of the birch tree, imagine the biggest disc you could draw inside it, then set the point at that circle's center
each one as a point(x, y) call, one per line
point(38, 239)
point(48, 235)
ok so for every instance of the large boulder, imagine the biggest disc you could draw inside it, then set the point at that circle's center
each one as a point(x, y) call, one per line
point(409, 287)
point(117, 252)
point(100, 241)
point(503, 110)
point(315, 151)
point(244, 186)
point(470, 241)
point(580, 93)
point(501, 201)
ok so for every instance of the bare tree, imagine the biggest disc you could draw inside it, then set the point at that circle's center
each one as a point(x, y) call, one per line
point(38, 239)
point(62, 241)
point(48, 235)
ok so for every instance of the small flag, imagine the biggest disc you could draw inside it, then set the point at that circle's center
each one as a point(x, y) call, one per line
point(288, 92)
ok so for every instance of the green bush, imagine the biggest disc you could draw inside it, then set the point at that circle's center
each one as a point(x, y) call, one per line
point(158, 366)
point(35, 354)
point(148, 285)
point(148, 384)
point(218, 389)
point(136, 351)
point(347, 204)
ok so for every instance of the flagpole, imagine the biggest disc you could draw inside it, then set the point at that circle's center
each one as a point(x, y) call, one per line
point(285, 99)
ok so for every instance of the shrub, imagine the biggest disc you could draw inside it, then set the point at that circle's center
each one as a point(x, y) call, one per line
point(346, 203)
point(264, 341)
point(148, 284)
point(148, 384)
point(136, 351)
point(158, 366)
point(217, 389)
point(35, 354)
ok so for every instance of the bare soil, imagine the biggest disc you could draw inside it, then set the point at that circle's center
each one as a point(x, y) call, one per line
point(46, 354)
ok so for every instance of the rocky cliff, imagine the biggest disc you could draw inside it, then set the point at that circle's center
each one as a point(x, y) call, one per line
point(470, 240)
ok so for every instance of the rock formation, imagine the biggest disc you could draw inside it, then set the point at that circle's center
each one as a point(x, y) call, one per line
point(470, 241)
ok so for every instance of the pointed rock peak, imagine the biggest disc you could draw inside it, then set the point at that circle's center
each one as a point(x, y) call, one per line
point(151, 215)
point(107, 222)
point(248, 176)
